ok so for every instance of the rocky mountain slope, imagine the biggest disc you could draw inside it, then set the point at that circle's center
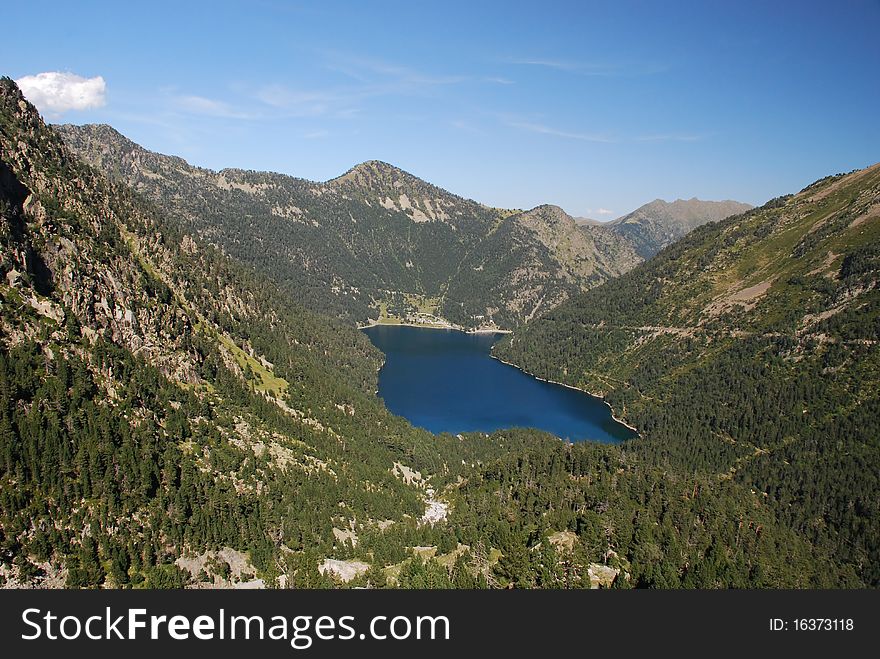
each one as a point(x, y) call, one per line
point(376, 240)
point(749, 350)
point(536, 259)
point(660, 223)
point(149, 409)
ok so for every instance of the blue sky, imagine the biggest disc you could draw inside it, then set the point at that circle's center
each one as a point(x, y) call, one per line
point(597, 107)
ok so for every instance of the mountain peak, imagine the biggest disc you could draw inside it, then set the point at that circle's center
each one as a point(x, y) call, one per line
point(549, 211)
point(14, 104)
point(100, 133)
point(372, 172)
point(395, 189)
point(380, 165)
point(9, 91)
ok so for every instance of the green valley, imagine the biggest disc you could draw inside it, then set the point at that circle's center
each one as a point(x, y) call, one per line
point(186, 400)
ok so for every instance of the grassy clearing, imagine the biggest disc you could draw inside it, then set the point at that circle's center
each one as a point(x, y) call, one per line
point(264, 379)
point(423, 304)
point(413, 304)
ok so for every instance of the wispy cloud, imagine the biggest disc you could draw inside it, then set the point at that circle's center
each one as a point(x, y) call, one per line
point(604, 137)
point(363, 79)
point(378, 73)
point(360, 80)
point(603, 213)
point(316, 134)
point(466, 127)
point(589, 68)
point(347, 113)
point(54, 92)
point(670, 137)
point(583, 68)
point(302, 102)
point(266, 103)
point(548, 130)
point(209, 107)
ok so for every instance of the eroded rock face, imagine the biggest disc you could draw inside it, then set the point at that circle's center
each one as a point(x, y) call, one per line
point(602, 576)
point(343, 570)
point(225, 568)
point(435, 509)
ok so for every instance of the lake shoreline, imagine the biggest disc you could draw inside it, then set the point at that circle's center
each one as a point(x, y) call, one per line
point(437, 326)
point(527, 412)
point(570, 386)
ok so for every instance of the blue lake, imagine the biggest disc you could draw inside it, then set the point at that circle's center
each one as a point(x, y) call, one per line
point(447, 381)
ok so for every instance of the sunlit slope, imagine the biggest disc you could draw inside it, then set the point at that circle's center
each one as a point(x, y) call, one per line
point(748, 350)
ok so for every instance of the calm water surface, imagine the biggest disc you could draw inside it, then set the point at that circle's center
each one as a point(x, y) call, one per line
point(446, 381)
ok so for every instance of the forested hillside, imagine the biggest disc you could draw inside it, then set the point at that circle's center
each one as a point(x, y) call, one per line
point(158, 399)
point(378, 241)
point(748, 352)
point(168, 417)
point(523, 275)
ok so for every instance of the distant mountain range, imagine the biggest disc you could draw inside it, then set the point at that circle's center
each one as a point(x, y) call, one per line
point(659, 223)
point(380, 241)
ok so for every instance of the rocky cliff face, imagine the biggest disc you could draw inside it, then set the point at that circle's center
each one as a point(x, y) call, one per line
point(67, 252)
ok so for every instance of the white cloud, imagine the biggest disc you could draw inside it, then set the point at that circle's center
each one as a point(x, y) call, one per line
point(604, 211)
point(54, 92)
